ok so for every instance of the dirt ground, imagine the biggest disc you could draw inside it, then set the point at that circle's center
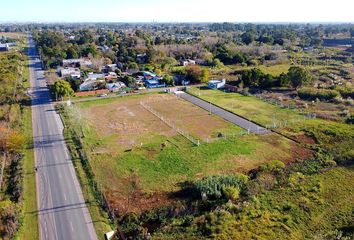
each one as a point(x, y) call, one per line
point(131, 124)
point(188, 117)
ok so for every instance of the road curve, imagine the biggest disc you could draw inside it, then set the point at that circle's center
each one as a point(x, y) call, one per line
point(228, 116)
point(62, 211)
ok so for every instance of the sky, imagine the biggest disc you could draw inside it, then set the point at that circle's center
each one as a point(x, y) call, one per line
point(177, 11)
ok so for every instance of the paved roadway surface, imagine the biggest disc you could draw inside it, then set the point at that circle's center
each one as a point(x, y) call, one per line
point(233, 118)
point(62, 211)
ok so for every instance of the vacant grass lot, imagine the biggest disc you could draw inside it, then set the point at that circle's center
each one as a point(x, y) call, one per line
point(139, 160)
point(247, 106)
point(274, 70)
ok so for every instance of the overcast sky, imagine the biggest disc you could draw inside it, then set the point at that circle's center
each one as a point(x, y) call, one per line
point(177, 10)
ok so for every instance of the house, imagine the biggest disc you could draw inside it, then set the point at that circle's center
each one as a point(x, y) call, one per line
point(79, 62)
point(147, 74)
point(114, 87)
point(111, 76)
point(109, 68)
point(95, 76)
point(153, 83)
point(69, 72)
point(187, 62)
point(90, 84)
point(216, 84)
point(4, 47)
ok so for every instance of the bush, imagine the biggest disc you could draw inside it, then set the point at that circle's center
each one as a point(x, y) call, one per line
point(346, 92)
point(321, 94)
point(214, 186)
point(273, 166)
point(9, 219)
point(231, 193)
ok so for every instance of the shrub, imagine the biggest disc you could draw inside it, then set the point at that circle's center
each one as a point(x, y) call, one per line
point(231, 193)
point(213, 186)
point(273, 166)
point(9, 219)
point(321, 94)
point(346, 92)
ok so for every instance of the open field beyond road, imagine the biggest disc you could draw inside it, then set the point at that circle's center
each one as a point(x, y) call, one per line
point(247, 106)
point(16, 35)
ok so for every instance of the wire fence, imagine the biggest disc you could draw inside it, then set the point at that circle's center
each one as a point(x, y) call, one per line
point(79, 150)
point(170, 124)
point(281, 104)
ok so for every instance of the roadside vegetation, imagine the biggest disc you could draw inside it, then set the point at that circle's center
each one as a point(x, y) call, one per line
point(17, 182)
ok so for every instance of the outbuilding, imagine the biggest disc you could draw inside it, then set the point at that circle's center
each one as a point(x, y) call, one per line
point(216, 84)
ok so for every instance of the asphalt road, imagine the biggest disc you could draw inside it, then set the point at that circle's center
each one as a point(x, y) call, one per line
point(62, 211)
point(233, 118)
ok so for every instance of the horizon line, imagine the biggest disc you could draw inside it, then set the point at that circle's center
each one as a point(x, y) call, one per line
point(176, 22)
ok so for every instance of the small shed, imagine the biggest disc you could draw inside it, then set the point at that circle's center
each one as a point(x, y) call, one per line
point(216, 84)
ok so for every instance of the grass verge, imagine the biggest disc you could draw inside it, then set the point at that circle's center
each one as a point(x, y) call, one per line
point(29, 228)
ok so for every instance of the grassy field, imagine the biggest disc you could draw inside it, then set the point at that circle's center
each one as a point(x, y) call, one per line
point(274, 70)
point(139, 160)
point(14, 35)
point(247, 106)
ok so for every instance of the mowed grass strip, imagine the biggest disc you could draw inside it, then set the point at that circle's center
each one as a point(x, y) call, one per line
point(247, 106)
point(29, 228)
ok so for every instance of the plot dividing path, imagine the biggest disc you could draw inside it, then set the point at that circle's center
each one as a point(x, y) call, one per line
point(62, 210)
point(228, 116)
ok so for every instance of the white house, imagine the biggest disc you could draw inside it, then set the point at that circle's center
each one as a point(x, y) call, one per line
point(216, 84)
point(114, 87)
point(69, 72)
point(187, 62)
point(95, 76)
point(77, 62)
point(90, 84)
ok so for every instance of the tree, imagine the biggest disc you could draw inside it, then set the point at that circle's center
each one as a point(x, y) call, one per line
point(15, 142)
point(247, 37)
point(217, 63)
point(194, 74)
point(97, 62)
point(205, 75)
point(72, 52)
point(63, 89)
point(298, 76)
point(168, 80)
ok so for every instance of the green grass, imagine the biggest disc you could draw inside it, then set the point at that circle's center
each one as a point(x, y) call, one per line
point(335, 137)
point(274, 70)
point(247, 106)
point(309, 207)
point(164, 168)
point(29, 228)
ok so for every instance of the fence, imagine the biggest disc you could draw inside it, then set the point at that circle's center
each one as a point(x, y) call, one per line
point(75, 130)
point(170, 124)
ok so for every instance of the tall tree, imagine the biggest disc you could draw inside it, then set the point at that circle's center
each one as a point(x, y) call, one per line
point(298, 76)
point(63, 89)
